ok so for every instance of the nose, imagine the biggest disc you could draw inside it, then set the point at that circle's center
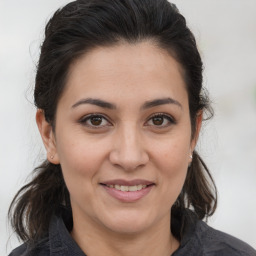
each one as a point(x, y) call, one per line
point(128, 151)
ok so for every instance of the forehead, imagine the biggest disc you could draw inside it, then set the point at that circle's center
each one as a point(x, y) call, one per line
point(125, 71)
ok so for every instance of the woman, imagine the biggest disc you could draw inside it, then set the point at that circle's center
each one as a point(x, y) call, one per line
point(120, 105)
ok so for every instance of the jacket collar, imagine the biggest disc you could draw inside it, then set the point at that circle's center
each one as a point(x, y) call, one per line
point(60, 241)
point(184, 224)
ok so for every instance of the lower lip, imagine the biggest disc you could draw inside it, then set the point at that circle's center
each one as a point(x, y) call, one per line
point(128, 196)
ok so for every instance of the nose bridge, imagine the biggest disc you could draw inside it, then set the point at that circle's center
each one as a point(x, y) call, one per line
point(128, 149)
point(130, 140)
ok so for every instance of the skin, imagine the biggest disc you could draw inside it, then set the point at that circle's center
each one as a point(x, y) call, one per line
point(127, 143)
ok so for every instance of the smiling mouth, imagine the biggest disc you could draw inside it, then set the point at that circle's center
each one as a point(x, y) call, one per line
point(127, 188)
point(127, 191)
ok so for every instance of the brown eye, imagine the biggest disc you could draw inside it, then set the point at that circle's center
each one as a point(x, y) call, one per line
point(96, 120)
point(158, 120)
point(161, 120)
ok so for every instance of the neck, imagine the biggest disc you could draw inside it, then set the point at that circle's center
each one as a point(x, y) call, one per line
point(94, 241)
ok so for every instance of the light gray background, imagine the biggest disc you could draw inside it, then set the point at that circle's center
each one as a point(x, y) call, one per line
point(226, 34)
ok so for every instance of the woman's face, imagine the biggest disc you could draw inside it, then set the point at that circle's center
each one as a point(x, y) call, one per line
point(123, 123)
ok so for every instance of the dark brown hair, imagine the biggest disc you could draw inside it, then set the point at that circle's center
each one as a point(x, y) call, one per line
point(71, 32)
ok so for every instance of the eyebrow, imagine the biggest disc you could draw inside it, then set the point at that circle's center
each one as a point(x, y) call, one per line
point(97, 102)
point(158, 102)
point(108, 105)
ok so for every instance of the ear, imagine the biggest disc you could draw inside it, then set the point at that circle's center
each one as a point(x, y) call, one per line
point(48, 137)
point(199, 119)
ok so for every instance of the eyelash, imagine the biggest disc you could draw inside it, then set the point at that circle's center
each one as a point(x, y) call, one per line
point(88, 117)
point(167, 117)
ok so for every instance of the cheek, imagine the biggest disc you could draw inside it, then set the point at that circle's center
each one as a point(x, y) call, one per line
point(172, 163)
point(174, 166)
point(80, 161)
point(174, 153)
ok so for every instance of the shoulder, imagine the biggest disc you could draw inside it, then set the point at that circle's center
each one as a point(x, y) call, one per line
point(215, 242)
point(199, 239)
point(40, 249)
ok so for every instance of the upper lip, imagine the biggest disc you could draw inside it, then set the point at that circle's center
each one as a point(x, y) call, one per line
point(127, 182)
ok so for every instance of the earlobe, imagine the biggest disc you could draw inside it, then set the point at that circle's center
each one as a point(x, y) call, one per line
point(48, 137)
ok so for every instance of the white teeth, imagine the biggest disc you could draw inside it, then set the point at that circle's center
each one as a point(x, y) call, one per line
point(124, 188)
point(127, 188)
point(133, 188)
point(118, 187)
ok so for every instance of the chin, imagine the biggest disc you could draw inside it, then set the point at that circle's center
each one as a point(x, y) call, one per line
point(128, 222)
point(127, 227)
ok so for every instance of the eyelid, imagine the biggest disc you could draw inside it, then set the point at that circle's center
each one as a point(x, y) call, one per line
point(164, 115)
point(87, 117)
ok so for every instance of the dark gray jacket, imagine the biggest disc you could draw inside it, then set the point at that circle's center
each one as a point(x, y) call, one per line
point(198, 239)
